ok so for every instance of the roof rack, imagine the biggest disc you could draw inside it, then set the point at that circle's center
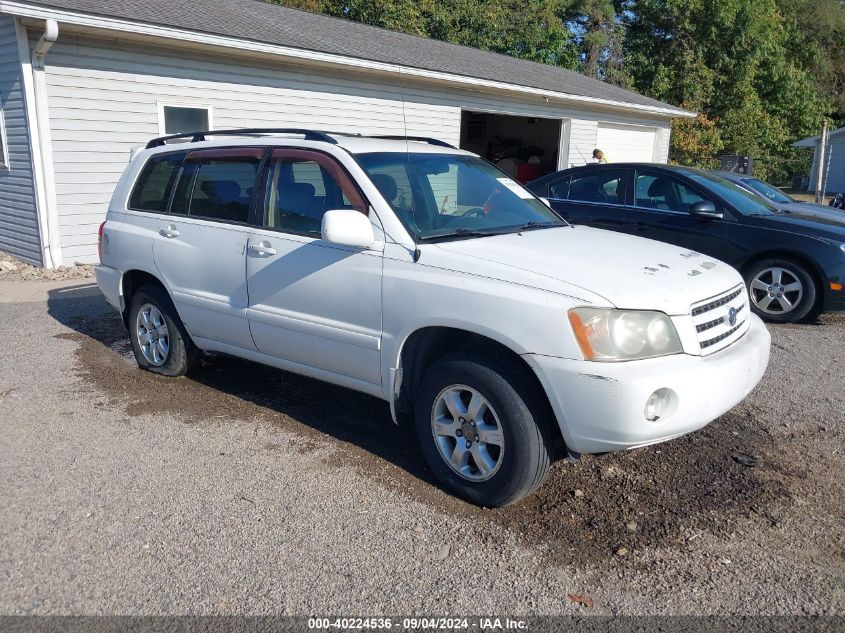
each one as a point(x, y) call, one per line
point(421, 139)
point(309, 135)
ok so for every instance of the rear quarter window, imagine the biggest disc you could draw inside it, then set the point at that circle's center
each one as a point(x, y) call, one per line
point(152, 189)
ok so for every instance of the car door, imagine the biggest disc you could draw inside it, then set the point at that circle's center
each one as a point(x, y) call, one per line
point(200, 249)
point(660, 211)
point(595, 197)
point(313, 304)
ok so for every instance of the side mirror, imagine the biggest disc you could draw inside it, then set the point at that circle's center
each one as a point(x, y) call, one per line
point(347, 227)
point(546, 202)
point(705, 209)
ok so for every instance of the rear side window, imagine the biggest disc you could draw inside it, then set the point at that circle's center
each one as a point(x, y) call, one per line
point(152, 190)
point(559, 189)
point(602, 186)
point(217, 185)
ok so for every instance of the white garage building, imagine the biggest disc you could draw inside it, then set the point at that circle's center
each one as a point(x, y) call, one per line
point(84, 81)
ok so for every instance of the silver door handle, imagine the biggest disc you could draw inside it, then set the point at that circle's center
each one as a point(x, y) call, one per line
point(169, 231)
point(262, 248)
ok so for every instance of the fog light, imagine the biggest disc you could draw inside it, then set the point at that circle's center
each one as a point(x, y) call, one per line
point(657, 404)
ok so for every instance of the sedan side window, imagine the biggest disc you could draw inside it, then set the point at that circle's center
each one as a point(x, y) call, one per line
point(664, 193)
point(603, 186)
point(560, 188)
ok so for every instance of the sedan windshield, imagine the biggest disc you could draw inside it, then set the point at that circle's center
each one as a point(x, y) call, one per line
point(772, 193)
point(741, 199)
point(445, 196)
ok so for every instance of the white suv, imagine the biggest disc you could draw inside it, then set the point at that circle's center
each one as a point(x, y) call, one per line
point(421, 274)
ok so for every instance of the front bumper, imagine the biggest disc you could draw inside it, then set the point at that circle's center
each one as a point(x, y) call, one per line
point(601, 406)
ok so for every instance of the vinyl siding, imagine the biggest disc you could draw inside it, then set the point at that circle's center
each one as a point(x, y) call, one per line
point(18, 216)
point(834, 166)
point(105, 94)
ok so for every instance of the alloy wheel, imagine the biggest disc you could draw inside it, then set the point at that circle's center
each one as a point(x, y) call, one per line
point(153, 335)
point(467, 433)
point(776, 290)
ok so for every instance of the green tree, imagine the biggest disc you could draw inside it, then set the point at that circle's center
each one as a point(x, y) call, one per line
point(733, 61)
point(528, 29)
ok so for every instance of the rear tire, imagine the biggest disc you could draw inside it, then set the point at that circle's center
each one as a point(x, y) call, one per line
point(499, 449)
point(781, 290)
point(159, 339)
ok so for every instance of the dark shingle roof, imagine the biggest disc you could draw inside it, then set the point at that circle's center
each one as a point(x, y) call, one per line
point(274, 24)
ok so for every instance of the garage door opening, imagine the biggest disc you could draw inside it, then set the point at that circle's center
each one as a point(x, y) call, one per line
point(524, 147)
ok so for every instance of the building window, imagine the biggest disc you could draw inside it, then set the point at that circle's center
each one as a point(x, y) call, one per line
point(177, 119)
point(4, 148)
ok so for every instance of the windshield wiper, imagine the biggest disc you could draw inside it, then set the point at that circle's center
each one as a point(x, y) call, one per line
point(461, 232)
point(534, 224)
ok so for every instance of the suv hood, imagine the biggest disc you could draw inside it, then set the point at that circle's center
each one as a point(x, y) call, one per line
point(626, 271)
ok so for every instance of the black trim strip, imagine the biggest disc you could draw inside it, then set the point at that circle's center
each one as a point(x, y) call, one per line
point(716, 303)
point(721, 337)
point(711, 324)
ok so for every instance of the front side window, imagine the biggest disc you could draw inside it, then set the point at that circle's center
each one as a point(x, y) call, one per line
point(451, 195)
point(664, 193)
point(600, 186)
point(180, 119)
point(301, 186)
point(152, 189)
point(217, 184)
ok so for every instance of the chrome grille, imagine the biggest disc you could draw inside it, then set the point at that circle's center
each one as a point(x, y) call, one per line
point(712, 319)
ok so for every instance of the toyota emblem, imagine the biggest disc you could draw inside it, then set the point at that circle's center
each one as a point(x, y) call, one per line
point(732, 316)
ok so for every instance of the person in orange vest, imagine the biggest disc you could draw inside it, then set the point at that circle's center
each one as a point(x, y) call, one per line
point(598, 156)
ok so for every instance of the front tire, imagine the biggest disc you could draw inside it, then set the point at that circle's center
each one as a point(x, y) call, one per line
point(781, 290)
point(159, 339)
point(483, 429)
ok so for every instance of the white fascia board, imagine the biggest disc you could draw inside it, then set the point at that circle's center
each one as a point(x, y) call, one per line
point(111, 24)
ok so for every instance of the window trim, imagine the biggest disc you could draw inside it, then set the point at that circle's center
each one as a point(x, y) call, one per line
point(5, 160)
point(307, 153)
point(161, 105)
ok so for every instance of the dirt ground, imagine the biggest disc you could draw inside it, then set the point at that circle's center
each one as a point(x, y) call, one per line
point(334, 508)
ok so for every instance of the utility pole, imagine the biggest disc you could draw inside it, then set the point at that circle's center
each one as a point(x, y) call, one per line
point(820, 165)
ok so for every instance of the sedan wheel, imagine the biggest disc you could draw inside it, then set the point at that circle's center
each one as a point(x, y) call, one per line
point(776, 291)
point(781, 290)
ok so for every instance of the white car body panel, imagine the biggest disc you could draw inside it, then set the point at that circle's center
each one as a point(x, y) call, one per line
point(343, 315)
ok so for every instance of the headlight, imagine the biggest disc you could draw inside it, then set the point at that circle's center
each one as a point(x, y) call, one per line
point(611, 335)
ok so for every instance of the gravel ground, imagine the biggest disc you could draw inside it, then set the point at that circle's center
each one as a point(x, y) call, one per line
point(247, 490)
point(13, 269)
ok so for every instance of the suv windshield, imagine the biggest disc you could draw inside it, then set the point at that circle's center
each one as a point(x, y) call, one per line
point(772, 193)
point(452, 196)
point(742, 200)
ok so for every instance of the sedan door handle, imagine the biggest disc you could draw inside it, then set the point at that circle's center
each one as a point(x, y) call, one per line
point(262, 248)
point(168, 231)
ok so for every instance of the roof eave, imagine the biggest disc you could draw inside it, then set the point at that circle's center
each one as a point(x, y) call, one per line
point(99, 22)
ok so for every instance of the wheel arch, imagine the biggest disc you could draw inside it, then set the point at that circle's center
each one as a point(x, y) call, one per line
point(421, 348)
point(133, 279)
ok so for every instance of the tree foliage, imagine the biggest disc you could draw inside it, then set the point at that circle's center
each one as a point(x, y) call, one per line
point(759, 73)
